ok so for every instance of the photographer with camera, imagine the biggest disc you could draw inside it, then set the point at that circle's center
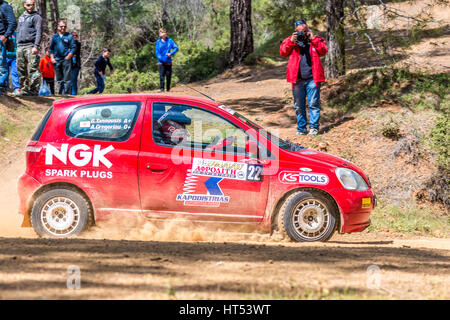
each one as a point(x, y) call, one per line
point(305, 72)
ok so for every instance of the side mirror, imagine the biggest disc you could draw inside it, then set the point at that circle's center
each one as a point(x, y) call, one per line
point(251, 147)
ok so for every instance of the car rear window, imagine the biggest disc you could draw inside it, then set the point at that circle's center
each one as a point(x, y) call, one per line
point(105, 121)
point(40, 128)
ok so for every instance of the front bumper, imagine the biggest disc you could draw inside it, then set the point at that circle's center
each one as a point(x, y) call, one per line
point(355, 208)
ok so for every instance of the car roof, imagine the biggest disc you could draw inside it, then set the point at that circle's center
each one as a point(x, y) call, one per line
point(127, 97)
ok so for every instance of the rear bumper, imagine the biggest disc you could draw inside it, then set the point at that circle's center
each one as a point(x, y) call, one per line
point(354, 208)
point(26, 186)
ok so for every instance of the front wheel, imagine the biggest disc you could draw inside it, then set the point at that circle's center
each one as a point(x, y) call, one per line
point(307, 217)
point(60, 213)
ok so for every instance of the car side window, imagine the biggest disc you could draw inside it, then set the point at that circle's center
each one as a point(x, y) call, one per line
point(195, 128)
point(106, 121)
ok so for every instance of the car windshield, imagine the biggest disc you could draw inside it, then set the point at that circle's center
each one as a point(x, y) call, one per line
point(286, 145)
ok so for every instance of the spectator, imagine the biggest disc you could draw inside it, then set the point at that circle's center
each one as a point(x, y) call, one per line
point(29, 31)
point(305, 72)
point(11, 62)
point(100, 68)
point(165, 49)
point(7, 27)
point(62, 49)
point(47, 71)
point(76, 64)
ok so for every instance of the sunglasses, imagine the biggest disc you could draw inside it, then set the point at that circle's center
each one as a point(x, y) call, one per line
point(29, 5)
point(300, 22)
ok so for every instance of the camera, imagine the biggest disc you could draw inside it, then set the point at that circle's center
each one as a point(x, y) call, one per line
point(301, 36)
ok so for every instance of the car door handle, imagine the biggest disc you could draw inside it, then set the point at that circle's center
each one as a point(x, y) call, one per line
point(155, 167)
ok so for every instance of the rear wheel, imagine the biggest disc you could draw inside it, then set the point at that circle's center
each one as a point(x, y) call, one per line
point(307, 217)
point(60, 213)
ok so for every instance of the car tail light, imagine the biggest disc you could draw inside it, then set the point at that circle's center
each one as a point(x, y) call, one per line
point(32, 153)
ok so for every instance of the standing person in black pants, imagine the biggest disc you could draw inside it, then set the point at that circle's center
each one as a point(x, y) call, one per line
point(100, 68)
point(76, 64)
point(165, 49)
point(62, 49)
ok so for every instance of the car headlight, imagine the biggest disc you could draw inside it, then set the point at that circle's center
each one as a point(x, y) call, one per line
point(351, 180)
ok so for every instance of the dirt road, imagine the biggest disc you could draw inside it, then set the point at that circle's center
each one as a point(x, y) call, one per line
point(134, 259)
point(194, 263)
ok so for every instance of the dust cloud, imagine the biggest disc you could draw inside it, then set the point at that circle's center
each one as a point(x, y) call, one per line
point(137, 227)
point(10, 220)
point(118, 226)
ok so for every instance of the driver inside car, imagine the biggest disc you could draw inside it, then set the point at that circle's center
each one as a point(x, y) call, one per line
point(172, 127)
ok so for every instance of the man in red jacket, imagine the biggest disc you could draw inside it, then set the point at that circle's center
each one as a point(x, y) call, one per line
point(305, 72)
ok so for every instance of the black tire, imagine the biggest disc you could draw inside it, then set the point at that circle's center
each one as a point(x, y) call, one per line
point(60, 213)
point(307, 216)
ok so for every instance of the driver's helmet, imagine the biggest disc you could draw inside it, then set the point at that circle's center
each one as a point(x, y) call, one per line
point(173, 126)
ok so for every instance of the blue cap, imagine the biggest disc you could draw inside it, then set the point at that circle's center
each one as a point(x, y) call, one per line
point(300, 22)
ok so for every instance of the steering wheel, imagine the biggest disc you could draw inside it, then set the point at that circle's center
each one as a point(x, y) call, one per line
point(215, 145)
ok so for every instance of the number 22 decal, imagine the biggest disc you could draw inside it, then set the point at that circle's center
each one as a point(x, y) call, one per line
point(254, 172)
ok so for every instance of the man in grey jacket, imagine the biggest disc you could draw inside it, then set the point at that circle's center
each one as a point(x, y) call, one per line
point(7, 27)
point(29, 32)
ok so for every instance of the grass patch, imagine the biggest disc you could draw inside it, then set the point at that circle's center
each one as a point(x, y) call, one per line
point(371, 87)
point(440, 141)
point(298, 293)
point(391, 128)
point(409, 219)
point(17, 125)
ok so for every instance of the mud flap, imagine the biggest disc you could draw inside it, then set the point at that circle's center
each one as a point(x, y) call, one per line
point(26, 223)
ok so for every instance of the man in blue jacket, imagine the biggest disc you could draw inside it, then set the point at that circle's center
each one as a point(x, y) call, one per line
point(165, 49)
point(62, 49)
point(8, 25)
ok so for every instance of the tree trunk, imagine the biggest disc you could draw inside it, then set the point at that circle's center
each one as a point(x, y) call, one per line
point(54, 14)
point(241, 42)
point(109, 27)
point(121, 12)
point(41, 8)
point(335, 58)
point(165, 15)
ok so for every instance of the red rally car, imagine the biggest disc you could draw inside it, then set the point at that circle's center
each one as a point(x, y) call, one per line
point(178, 157)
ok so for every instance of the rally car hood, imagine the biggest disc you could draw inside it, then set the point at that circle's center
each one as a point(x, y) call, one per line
point(324, 159)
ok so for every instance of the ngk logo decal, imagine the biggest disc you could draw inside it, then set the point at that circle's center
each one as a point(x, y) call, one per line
point(295, 177)
point(85, 155)
point(79, 155)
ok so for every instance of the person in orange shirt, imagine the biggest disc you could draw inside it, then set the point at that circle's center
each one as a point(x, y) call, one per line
point(47, 71)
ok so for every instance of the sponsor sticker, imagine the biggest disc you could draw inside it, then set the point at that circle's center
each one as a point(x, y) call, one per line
point(88, 174)
point(202, 200)
point(85, 124)
point(79, 155)
point(366, 202)
point(295, 177)
point(227, 109)
point(212, 195)
point(227, 169)
point(201, 186)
